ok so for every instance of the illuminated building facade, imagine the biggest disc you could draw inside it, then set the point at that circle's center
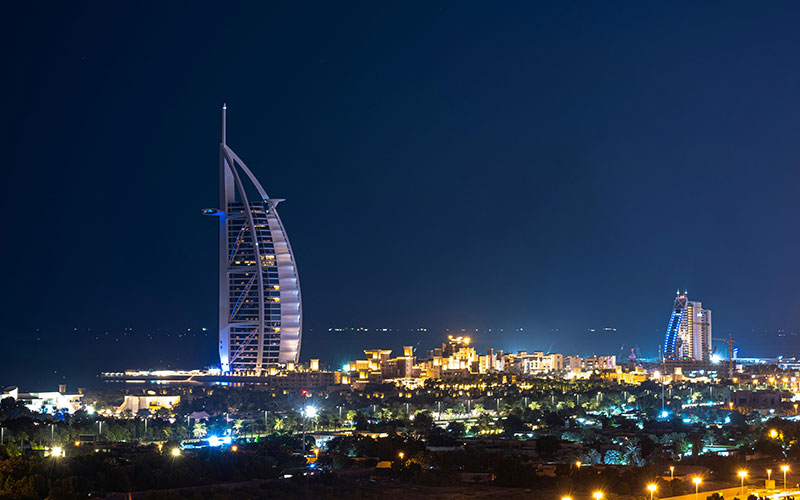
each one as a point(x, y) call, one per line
point(534, 363)
point(688, 334)
point(260, 311)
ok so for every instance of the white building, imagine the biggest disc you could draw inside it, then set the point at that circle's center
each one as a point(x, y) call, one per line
point(50, 402)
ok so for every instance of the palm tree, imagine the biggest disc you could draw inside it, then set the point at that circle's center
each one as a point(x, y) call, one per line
point(238, 424)
point(199, 430)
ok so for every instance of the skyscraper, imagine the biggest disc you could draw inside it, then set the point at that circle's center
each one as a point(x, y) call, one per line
point(688, 331)
point(260, 311)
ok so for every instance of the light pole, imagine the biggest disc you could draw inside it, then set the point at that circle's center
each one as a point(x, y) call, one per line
point(742, 475)
point(303, 395)
point(785, 469)
point(266, 421)
point(311, 412)
point(652, 489)
point(696, 481)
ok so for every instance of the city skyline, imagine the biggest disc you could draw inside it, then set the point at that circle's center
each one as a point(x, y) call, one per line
point(436, 178)
point(490, 206)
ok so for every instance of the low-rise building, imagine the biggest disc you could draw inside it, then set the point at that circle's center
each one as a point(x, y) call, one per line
point(50, 402)
point(152, 403)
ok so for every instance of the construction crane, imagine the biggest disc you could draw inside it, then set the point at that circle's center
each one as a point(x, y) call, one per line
point(730, 340)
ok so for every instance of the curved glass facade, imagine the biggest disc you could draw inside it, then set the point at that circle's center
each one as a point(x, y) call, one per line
point(688, 331)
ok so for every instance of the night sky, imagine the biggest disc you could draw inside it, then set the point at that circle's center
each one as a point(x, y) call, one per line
point(549, 166)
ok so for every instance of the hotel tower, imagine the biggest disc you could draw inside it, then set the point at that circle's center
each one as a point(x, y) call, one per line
point(688, 331)
point(260, 312)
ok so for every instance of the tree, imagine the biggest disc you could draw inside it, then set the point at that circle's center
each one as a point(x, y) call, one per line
point(199, 430)
point(484, 423)
point(612, 457)
point(592, 457)
point(548, 446)
point(512, 424)
point(457, 429)
point(422, 423)
point(238, 425)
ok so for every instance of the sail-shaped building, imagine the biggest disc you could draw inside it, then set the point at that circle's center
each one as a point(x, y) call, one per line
point(688, 334)
point(260, 311)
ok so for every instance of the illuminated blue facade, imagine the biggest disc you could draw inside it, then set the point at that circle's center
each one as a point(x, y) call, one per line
point(673, 340)
point(688, 336)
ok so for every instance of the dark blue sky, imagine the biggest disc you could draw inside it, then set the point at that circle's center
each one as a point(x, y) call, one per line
point(446, 164)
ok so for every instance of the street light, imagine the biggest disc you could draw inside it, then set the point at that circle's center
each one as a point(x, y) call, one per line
point(597, 495)
point(566, 498)
point(176, 452)
point(401, 455)
point(57, 452)
point(578, 464)
point(785, 469)
point(671, 472)
point(773, 433)
point(769, 474)
point(742, 475)
point(652, 489)
point(696, 481)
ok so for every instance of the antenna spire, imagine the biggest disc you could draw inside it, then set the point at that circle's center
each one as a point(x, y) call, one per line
point(224, 109)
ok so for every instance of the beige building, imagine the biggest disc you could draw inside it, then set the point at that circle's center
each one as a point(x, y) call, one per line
point(152, 403)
